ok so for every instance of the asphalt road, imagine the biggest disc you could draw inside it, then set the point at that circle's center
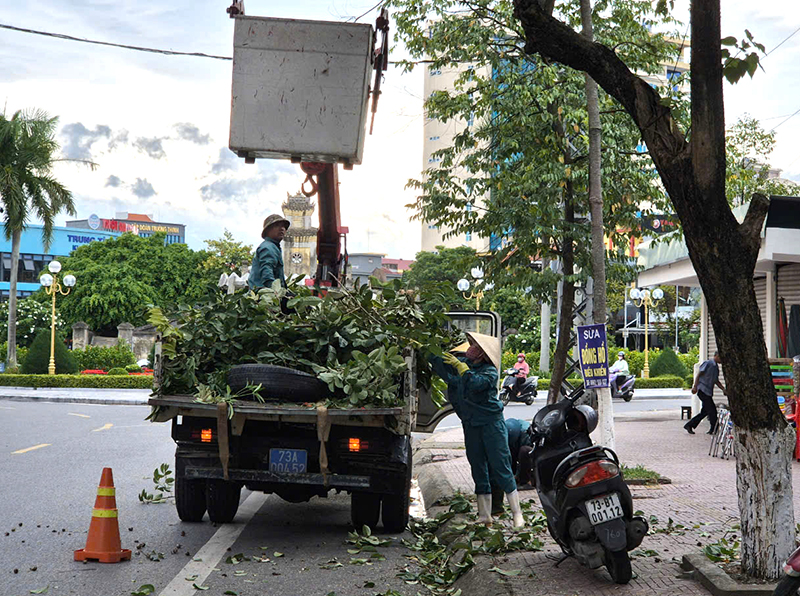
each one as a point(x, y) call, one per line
point(51, 458)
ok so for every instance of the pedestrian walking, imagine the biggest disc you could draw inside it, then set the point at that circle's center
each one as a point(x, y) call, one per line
point(707, 378)
point(472, 390)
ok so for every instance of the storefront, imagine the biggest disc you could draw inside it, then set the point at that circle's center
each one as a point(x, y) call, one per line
point(33, 258)
point(134, 223)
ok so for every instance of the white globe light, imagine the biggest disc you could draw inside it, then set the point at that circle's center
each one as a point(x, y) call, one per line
point(54, 267)
point(462, 285)
point(477, 272)
point(46, 280)
point(489, 286)
point(658, 294)
point(636, 293)
point(69, 280)
point(645, 294)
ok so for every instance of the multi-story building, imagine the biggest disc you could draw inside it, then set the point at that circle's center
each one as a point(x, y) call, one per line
point(33, 258)
point(136, 223)
point(363, 265)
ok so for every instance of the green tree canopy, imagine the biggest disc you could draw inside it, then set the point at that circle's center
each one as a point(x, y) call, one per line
point(226, 255)
point(118, 279)
point(440, 271)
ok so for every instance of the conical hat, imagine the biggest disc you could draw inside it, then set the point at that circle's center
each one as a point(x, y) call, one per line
point(490, 346)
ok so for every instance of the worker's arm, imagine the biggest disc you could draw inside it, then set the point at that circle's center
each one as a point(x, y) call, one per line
point(445, 371)
point(266, 263)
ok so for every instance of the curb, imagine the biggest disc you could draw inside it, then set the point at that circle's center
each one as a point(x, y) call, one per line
point(106, 401)
point(433, 485)
point(648, 482)
point(719, 583)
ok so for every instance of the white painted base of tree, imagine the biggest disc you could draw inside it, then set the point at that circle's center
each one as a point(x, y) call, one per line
point(764, 485)
point(605, 412)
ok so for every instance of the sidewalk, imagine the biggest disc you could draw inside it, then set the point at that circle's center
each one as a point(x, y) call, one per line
point(702, 497)
point(130, 397)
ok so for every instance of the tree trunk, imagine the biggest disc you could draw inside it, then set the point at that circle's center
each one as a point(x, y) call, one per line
point(11, 356)
point(723, 253)
point(565, 318)
point(604, 404)
point(544, 340)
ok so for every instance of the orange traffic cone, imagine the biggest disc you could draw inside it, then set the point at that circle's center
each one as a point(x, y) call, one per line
point(103, 543)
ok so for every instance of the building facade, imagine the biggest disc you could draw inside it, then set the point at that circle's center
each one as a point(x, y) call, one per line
point(300, 243)
point(363, 265)
point(33, 258)
point(137, 223)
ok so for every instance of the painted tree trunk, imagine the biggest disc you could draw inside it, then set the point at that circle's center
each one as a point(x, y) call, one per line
point(565, 318)
point(763, 468)
point(11, 357)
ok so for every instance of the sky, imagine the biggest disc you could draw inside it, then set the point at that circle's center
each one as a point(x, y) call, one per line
point(157, 126)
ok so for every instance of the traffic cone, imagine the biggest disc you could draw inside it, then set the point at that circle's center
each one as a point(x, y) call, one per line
point(103, 543)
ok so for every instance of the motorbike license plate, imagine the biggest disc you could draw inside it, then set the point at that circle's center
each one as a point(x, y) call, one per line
point(604, 509)
point(292, 461)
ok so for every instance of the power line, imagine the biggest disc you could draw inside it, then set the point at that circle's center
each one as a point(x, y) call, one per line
point(787, 119)
point(115, 45)
point(783, 42)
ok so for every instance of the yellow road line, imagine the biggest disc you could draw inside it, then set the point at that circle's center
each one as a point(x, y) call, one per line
point(31, 448)
point(104, 427)
point(81, 415)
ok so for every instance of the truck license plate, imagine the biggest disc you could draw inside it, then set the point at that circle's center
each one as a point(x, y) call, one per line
point(292, 461)
point(604, 509)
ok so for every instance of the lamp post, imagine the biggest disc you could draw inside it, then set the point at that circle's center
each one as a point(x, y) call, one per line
point(463, 285)
point(647, 299)
point(52, 285)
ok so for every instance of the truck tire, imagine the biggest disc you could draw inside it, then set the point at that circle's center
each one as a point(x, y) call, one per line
point(395, 506)
point(222, 500)
point(365, 510)
point(190, 499)
point(278, 382)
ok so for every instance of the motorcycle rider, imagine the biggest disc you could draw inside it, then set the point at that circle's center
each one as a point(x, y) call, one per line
point(620, 367)
point(523, 369)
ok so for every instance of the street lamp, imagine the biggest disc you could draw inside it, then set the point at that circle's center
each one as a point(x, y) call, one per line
point(647, 299)
point(52, 285)
point(463, 285)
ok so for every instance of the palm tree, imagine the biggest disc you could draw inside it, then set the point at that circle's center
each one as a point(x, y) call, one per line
point(27, 189)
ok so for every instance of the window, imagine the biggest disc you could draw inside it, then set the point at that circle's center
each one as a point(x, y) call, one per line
point(673, 76)
point(469, 236)
point(469, 207)
point(436, 72)
point(433, 227)
point(433, 138)
point(434, 159)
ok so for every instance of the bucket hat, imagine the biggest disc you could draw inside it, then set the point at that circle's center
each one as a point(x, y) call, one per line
point(273, 219)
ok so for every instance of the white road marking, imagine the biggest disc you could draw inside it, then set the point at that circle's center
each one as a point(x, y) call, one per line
point(81, 415)
point(104, 427)
point(31, 448)
point(214, 549)
point(6, 408)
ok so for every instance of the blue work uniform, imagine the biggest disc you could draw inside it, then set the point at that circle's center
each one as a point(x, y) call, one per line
point(517, 437)
point(267, 265)
point(473, 396)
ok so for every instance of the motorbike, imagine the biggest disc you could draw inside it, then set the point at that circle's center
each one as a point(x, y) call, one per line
point(621, 385)
point(587, 504)
point(527, 393)
point(789, 585)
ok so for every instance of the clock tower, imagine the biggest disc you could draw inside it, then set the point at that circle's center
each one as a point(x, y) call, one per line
point(300, 243)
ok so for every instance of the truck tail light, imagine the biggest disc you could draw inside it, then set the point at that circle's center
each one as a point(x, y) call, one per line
point(356, 445)
point(592, 472)
point(206, 435)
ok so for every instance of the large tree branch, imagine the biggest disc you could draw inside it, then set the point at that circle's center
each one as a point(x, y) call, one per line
point(750, 228)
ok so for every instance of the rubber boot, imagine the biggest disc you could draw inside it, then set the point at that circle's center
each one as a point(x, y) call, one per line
point(516, 509)
point(484, 509)
point(497, 501)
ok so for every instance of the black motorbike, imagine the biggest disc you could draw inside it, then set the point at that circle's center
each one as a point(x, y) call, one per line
point(526, 393)
point(588, 505)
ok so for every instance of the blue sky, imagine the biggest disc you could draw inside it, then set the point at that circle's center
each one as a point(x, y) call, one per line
point(158, 126)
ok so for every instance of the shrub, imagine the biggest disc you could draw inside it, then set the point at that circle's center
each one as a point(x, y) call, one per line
point(133, 368)
point(83, 381)
point(510, 357)
point(97, 357)
point(21, 353)
point(690, 359)
point(665, 382)
point(668, 363)
point(38, 358)
point(32, 315)
point(118, 371)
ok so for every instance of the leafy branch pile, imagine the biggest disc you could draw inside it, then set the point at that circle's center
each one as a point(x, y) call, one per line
point(352, 339)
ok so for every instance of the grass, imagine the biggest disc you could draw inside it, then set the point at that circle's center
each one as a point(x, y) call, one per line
point(639, 473)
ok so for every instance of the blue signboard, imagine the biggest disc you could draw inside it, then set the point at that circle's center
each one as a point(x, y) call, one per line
point(593, 355)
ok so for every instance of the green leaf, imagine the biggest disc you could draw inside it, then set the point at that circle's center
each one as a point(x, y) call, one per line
point(44, 591)
point(143, 590)
point(230, 593)
point(510, 573)
point(728, 41)
point(277, 555)
point(201, 588)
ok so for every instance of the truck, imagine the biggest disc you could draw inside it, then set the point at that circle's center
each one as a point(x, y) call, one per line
point(300, 451)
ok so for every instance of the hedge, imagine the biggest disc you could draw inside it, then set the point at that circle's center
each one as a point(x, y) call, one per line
point(666, 382)
point(83, 381)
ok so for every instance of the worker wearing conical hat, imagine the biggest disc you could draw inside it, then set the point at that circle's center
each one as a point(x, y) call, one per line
point(472, 390)
point(267, 267)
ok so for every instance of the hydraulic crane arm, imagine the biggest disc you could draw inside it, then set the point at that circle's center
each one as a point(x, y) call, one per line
point(324, 181)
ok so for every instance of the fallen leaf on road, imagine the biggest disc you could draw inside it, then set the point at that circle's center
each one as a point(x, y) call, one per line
point(369, 584)
point(144, 590)
point(190, 578)
point(277, 554)
point(504, 572)
point(230, 593)
point(40, 590)
point(203, 588)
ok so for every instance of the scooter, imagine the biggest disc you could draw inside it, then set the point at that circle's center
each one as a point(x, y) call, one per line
point(588, 506)
point(622, 385)
point(527, 392)
point(790, 584)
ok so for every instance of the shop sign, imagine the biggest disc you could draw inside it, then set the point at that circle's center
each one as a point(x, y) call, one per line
point(659, 224)
point(593, 355)
point(119, 226)
point(94, 221)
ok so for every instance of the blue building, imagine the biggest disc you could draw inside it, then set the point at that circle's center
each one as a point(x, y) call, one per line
point(33, 258)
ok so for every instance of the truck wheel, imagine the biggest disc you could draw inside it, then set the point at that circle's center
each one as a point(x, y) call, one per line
point(365, 509)
point(190, 499)
point(395, 506)
point(222, 500)
point(278, 382)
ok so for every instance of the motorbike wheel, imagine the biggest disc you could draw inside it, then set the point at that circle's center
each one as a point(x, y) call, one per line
point(788, 586)
point(505, 396)
point(619, 566)
point(628, 396)
point(529, 401)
